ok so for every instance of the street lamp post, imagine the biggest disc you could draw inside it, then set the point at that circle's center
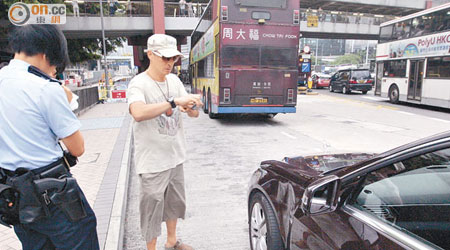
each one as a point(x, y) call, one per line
point(104, 50)
point(367, 52)
point(317, 49)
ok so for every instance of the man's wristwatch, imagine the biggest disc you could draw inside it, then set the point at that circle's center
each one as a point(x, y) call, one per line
point(171, 100)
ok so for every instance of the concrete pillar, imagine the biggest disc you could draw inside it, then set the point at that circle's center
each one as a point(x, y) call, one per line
point(158, 17)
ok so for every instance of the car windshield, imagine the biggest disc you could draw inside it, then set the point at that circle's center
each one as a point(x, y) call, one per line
point(361, 74)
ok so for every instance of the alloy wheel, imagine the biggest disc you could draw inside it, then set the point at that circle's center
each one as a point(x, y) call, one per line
point(258, 227)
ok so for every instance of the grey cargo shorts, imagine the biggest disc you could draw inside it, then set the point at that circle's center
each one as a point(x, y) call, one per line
point(162, 198)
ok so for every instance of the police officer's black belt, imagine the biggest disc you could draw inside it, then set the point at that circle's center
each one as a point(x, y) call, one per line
point(26, 195)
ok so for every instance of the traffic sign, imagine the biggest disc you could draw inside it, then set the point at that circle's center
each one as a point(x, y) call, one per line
point(306, 67)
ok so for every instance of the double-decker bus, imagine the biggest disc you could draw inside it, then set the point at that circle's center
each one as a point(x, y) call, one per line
point(413, 58)
point(244, 56)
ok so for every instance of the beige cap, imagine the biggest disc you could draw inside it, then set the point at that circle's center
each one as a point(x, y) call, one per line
point(166, 45)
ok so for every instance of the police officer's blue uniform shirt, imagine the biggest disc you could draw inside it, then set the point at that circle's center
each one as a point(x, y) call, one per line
point(34, 114)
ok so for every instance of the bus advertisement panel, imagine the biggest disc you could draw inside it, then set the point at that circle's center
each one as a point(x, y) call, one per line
point(413, 58)
point(246, 60)
point(431, 45)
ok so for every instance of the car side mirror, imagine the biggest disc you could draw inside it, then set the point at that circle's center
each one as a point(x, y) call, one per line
point(321, 196)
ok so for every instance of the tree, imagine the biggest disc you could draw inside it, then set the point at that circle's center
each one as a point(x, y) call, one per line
point(348, 59)
point(80, 50)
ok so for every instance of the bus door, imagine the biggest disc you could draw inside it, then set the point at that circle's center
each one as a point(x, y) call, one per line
point(379, 78)
point(415, 80)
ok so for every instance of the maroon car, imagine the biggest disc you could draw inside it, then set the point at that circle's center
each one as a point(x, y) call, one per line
point(396, 200)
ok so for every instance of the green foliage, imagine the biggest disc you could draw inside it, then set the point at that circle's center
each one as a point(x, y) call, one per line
point(313, 60)
point(348, 59)
point(80, 50)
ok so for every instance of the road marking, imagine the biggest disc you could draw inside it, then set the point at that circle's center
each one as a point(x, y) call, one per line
point(357, 102)
point(288, 135)
point(364, 124)
point(373, 98)
point(405, 113)
point(439, 120)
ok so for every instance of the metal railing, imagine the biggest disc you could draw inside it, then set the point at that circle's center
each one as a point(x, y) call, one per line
point(344, 17)
point(144, 8)
point(90, 8)
point(88, 97)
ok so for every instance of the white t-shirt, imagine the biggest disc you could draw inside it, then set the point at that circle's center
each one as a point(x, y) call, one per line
point(159, 142)
point(182, 4)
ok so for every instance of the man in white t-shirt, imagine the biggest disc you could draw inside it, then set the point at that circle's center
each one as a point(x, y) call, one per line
point(156, 100)
point(76, 8)
point(182, 7)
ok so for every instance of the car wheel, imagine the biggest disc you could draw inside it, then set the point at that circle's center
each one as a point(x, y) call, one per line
point(264, 231)
point(393, 94)
point(344, 90)
point(364, 92)
point(330, 88)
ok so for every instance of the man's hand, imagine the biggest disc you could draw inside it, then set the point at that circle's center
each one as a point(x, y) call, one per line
point(68, 93)
point(189, 101)
point(189, 111)
point(189, 104)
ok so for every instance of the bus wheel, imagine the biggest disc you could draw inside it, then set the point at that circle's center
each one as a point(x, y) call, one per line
point(205, 102)
point(210, 113)
point(393, 94)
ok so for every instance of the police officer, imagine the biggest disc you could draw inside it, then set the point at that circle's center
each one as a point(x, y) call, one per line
point(34, 116)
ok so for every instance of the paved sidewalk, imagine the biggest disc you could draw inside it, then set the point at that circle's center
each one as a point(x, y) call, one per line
point(102, 172)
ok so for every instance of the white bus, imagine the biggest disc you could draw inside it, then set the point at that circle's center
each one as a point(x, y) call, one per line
point(413, 58)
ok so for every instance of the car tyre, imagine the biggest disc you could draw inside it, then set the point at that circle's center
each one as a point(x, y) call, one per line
point(345, 90)
point(393, 94)
point(330, 88)
point(264, 231)
point(364, 92)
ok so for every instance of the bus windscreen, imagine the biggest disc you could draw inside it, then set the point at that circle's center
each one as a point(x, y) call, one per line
point(253, 56)
point(233, 55)
point(278, 57)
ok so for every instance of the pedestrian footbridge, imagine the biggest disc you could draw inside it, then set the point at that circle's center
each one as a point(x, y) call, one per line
point(342, 19)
